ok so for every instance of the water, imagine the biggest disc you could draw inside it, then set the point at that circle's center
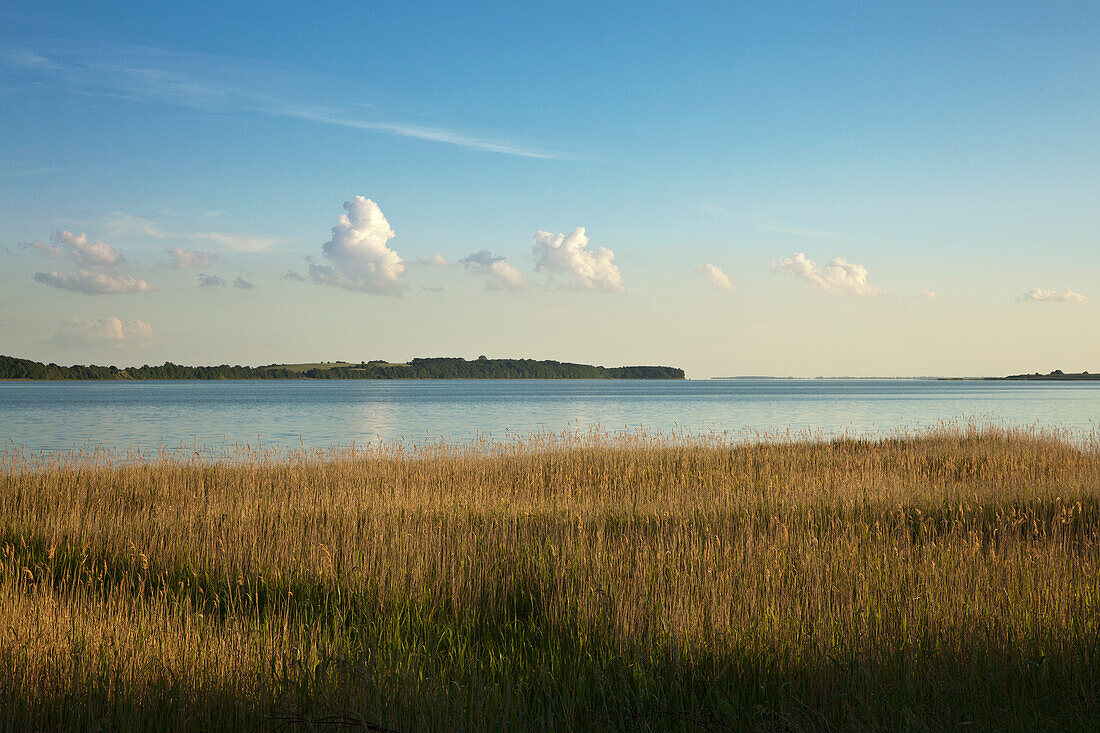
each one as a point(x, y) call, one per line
point(48, 416)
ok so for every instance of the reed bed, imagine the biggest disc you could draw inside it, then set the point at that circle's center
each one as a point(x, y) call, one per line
point(948, 578)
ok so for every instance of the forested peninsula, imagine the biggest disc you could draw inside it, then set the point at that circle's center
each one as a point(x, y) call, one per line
point(433, 368)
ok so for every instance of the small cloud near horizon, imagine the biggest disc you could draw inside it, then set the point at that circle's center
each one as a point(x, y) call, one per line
point(109, 331)
point(1042, 295)
point(839, 277)
point(76, 247)
point(187, 258)
point(209, 281)
point(714, 276)
point(568, 255)
point(927, 294)
point(94, 283)
point(503, 275)
point(243, 284)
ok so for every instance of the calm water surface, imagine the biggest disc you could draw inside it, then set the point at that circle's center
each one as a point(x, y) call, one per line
point(60, 415)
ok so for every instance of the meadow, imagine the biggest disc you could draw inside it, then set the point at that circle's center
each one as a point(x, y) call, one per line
point(947, 579)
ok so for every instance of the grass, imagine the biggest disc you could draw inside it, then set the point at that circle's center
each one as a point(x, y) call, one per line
point(944, 580)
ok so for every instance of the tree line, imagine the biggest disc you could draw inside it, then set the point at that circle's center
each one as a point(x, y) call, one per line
point(430, 368)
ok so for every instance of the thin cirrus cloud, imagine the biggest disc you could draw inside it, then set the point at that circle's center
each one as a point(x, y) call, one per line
point(121, 223)
point(230, 85)
point(109, 331)
point(839, 277)
point(568, 256)
point(76, 247)
point(502, 276)
point(361, 259)
point(1042, 295)
point(183, 259)
point(94, 283)
point(715, 276)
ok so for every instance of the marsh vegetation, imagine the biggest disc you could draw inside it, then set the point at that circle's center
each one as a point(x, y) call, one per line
point(637, 582)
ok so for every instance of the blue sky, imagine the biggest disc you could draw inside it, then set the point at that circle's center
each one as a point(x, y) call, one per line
point(838, 165)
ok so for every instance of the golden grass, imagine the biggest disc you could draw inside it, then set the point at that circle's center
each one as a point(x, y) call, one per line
point(559, 582)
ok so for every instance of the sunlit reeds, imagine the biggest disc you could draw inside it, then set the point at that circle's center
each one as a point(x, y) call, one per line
point(561, 581)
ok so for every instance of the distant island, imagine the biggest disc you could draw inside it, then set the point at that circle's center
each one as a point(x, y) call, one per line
point(433, 368)
point(1057, 374)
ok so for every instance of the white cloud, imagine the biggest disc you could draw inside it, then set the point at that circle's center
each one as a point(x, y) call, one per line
point(184, 258)
point(243, 284)
point(110, 331)
point(839, 277)
point(361, 259)
point(1044, 295)
point(569, 255)
point(94, 283)
point(210, 281)
point(78, 248)
point(927, 294)
point(715, 276)
point(504, 276)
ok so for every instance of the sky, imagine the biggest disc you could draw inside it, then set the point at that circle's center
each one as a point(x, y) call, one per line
point(789, 188)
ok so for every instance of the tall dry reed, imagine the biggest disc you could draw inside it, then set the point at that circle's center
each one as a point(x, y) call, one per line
point(557, 582)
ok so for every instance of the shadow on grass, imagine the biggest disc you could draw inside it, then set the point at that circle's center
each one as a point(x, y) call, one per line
point(501, 661)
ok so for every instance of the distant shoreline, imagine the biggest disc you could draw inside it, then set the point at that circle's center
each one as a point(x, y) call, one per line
point(14, 369)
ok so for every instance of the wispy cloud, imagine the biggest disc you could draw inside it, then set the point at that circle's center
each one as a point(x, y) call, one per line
point(502, 275)
point(78, 248)
point(109, 331)
point(232, 85)
point(94, 283)
point(797, 231)
point(1041, 295)
point(121, 223)
point(184, 258)
point(927, 294)
point(715, 276)
point(839, 277)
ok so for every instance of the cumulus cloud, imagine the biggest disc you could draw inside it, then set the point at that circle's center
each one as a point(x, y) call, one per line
point(503, 275)
point(569, 256)
point(361, 260)
point(184, 258)
point(715, 277)
point(210, 281)
point(243, 284)
point(94, 283)
point(110, 331)
point(839, 277)
point(1044, 295)
point(78, 248)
